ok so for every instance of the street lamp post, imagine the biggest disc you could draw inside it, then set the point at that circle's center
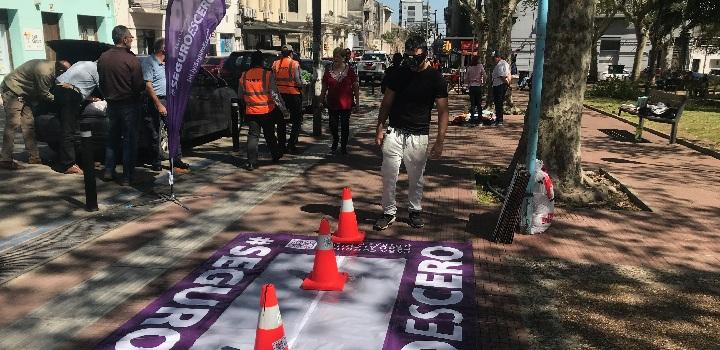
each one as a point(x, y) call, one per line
point(317, 37)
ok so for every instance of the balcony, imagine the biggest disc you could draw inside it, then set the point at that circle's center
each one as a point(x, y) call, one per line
point(148, 6)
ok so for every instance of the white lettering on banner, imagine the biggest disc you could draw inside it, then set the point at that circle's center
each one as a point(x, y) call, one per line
point(170, 338)
point(175, 316)
point(187, 37)
point(442, 273)
point(229, 271)
point(428, 345)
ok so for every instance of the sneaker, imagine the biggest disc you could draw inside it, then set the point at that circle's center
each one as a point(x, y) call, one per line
point(416, 220)
point(74, 169)
point(250, 166)
point(10, 165)
point(383, 222)
point(180, 164)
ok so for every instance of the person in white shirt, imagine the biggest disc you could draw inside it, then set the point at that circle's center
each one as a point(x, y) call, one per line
point(501, 82)
point(475, 79)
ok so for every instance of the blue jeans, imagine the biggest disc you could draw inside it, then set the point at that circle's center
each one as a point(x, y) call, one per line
point(123, 131)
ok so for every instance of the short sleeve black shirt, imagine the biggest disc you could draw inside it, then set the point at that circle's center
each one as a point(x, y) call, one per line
point(415, 94)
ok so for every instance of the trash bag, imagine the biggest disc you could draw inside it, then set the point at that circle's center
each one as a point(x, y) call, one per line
point(542, 203)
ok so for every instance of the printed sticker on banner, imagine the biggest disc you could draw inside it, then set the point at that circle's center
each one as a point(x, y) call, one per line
point(303, 244)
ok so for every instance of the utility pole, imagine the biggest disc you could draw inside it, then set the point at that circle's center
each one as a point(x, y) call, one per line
point(317, 37)
point(426, 14)
point(436, 25)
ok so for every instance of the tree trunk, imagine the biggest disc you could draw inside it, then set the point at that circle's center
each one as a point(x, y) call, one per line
point(593, 74)
point(567, 58)
point(641, 34)
point(499, 16)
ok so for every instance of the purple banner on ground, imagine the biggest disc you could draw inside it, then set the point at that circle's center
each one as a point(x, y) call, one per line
point(188, 27)
point(401, 295)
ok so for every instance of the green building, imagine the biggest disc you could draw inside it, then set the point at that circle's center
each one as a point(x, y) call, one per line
point(25, 25)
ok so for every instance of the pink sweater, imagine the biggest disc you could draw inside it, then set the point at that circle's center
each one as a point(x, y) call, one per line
point(475, 75)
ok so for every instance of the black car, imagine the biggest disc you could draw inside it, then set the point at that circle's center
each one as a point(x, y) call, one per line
point(208, 116)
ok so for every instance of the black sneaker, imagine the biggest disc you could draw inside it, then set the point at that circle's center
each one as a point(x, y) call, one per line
point(180, 164)
point(250, 166)
point(383, 222)
point(416, 220)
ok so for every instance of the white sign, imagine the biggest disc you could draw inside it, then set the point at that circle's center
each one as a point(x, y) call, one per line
point(33, 39)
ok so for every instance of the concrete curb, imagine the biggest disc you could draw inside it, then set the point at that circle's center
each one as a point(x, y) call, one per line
point(627, 190)
point(704, 150)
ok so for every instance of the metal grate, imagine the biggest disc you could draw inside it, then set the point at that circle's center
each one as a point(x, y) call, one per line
point(510, 215)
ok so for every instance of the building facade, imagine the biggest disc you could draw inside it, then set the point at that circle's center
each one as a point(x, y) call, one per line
point(25, 26)
point(416, 13)
point(373, 19)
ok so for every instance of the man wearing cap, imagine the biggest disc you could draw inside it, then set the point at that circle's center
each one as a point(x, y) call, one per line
point(501, 82)
point(409, 98)
point(289, 84)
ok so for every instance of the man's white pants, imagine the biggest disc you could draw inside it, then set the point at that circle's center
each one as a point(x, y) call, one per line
point(412, 150)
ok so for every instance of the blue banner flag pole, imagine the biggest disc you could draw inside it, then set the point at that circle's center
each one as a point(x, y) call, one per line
point(535, 100)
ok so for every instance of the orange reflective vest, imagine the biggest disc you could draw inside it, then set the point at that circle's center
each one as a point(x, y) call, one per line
point(285, 69)
point(256, 91)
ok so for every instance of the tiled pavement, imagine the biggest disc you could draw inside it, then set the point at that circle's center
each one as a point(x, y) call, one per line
point(63, 300)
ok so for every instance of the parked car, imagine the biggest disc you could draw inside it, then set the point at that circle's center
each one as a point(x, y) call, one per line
point(214, 64)
point(208, 115)
point(239, 61)
point(615, 71)
point(372, 66)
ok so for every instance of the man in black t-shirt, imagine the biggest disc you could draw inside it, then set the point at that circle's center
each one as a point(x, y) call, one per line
point(411, 93)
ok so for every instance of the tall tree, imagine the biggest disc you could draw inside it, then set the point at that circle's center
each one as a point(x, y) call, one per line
point(567, 59)
point(637, 12)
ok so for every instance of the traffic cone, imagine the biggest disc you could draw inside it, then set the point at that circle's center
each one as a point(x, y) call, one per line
point(347, 230)
point(270, 333)
point(325, 275)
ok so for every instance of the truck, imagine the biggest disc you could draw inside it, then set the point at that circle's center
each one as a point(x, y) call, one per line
point(372, 65)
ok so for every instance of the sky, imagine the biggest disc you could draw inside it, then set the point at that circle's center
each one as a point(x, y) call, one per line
point(438, 5)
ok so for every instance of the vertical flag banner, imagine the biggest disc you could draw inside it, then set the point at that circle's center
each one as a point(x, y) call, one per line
point(188, 27)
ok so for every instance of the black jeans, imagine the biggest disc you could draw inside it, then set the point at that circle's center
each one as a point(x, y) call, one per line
point(499, 99)
point(267, 124)
point(69, 102)
point(476, 101)
point(341, 117)
point(123, 118)
point(151, 123)
point(294, 106)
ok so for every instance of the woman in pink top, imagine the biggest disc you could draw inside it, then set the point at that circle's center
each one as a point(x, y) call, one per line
point(475, 79)
point(341, 94)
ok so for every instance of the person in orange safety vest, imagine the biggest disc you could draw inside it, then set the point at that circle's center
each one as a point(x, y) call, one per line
point(289, 83)
point(258, 89)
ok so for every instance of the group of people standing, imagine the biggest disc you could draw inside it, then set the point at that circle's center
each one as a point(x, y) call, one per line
point(475, 78)
point(118, 77)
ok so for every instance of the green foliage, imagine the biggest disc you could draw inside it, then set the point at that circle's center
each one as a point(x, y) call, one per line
point(624, 89)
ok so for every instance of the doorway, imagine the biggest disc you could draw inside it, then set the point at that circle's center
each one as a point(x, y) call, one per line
point(88, 27)
point(6, 65)
point(51, 31)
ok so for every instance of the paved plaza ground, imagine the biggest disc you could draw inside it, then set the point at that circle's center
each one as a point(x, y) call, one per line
point(598, 279)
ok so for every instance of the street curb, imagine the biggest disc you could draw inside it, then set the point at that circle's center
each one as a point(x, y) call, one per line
point(628, 191)
point(704, 150)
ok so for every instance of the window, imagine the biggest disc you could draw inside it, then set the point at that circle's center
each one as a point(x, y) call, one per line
point(411, 12)
point(610, 45)
point(293, 6)
point(88, 28)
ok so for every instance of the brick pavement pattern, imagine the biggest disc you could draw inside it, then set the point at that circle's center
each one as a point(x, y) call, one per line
point(677, 182)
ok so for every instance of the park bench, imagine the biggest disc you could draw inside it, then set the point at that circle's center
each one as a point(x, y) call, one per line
point(675, 103)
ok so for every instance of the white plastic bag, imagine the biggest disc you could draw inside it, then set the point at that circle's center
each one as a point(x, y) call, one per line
point(97, 108)
point(542, 203)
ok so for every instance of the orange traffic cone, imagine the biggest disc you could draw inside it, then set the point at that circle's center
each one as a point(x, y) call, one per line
point(325, 275)
point(270, 333)
point(347, 230)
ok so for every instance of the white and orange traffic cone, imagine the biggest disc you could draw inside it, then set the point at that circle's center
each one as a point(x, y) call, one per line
point(347, 230)
point(270, 333)
point(325, 274)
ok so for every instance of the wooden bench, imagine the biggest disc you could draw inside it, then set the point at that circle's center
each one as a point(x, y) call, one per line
point(676, 105)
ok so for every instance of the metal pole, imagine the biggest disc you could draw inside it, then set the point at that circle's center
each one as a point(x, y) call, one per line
point(235, 128)
point(88, 166)
point(317, 37)
point(535, 99)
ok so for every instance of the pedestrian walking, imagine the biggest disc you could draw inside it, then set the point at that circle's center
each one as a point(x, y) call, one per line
point(389, 71)
point(408, 102)
point(501, 82)
point(289, 83)
point(121, 82)
point(259, 91)
point(73, 87)
point(153, 69)
point(24, 88)
point(341, 94)
point(475, 80)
